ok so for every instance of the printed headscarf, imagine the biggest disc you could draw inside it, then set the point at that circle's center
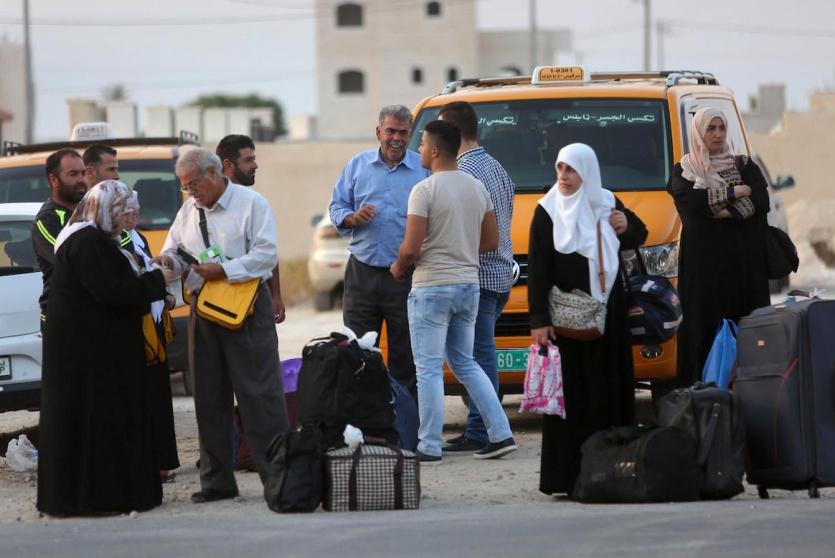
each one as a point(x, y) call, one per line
point(699, 166)
point(575, 218)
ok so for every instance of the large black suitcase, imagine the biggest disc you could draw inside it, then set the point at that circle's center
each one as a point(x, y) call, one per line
point(786, 383)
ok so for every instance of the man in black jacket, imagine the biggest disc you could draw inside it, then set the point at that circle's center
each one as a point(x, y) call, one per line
point(65, 173)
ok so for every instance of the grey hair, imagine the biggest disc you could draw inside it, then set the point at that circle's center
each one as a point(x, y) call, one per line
point(398, 112)
point(201, 158)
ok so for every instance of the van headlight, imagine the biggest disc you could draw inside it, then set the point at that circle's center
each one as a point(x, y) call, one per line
point(661, 259)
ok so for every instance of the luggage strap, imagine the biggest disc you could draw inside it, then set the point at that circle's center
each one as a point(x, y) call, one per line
point(398, 473)
point(710, 431)
point(204, 228)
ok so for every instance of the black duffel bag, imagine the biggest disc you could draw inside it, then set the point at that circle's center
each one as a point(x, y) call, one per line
point(713, 418)
point(296, 478)
point(638, 464)
point(780, 253)
point(340, 383)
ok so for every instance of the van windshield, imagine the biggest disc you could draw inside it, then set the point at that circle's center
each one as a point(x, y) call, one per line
point(152, 179)
point(630, 137)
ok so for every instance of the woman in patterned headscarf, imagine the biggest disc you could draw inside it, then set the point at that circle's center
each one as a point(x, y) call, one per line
point(722, 200)
point(95, 432)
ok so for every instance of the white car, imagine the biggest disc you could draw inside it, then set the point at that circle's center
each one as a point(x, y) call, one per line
point(20, 331)
point(326, 263)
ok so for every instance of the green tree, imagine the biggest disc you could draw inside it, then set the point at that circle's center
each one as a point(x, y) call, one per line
point(252, 100)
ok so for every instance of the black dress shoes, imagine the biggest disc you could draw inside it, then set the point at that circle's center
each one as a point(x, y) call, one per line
point(204, 496)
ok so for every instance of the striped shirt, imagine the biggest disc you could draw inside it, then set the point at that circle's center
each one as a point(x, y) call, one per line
point(495, 267)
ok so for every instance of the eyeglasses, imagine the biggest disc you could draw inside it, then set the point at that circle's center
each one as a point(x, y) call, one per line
point(192, 186)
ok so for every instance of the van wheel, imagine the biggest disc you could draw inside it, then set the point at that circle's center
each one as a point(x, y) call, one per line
point(322, 301)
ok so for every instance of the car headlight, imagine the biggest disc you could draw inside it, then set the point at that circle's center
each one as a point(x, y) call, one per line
point(661, 259)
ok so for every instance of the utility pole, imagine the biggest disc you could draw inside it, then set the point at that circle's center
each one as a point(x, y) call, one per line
point(661, 30)
point(29, 86)
point(647, 34)
point(532, 33)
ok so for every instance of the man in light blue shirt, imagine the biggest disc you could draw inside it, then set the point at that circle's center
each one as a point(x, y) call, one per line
point(369, 204)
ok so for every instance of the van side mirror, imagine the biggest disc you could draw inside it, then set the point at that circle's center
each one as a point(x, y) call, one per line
point(316, 219)
point(784, 182)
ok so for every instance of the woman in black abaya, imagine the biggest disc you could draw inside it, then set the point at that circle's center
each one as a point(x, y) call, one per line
point(95, 431)
point(597, 375)
point(722, 201)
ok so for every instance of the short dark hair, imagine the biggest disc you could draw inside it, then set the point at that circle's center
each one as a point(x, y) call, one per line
point(230, 146)
point(447, 137)
point(462, 114)
point(92, 155)
point(53, 162)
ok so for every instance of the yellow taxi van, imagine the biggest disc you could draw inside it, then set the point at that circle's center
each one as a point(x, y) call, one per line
point(145, 164)
point(637, 124)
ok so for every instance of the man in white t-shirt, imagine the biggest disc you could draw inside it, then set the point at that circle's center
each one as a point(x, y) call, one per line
point(450, 220)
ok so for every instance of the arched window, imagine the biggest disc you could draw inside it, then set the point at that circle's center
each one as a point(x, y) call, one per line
point(351, 81)
point(349, 15)
point(433, 9)
point(417, 76)
point(452, 74)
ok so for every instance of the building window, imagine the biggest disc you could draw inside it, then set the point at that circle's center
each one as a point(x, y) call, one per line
point(417, 76)
point(349, 15)
point(351, 81)
point(433, 9)
point(452, 74)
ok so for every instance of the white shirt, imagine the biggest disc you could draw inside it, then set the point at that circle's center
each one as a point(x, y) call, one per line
point(241, 224)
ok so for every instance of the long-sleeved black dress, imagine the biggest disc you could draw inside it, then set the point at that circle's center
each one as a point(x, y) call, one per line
point(95, 430)
point(721, 266)
point(159, 399)
point(598, 378)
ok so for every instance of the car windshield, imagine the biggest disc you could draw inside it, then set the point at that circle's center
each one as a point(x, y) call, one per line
point(16, 252)
point(629, 137)
point(152, 179)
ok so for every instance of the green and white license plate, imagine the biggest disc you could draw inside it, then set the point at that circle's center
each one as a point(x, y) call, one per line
point(5, 368)
point(511, 360)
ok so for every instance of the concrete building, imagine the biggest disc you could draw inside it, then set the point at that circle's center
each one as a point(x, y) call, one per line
point(770, 104)
point(372, 53)
point(159, 122)
point(83, 110)
point(123, 119)
point(13, 90)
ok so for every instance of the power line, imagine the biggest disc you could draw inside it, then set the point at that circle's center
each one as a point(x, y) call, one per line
point(782, 31)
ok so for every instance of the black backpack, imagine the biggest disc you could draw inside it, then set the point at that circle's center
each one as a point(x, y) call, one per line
point(638, 464)
point(341, 383)
point(296, 478)
point(713, 417)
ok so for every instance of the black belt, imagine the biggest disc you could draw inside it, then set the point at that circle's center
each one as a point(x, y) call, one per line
point(378, 268)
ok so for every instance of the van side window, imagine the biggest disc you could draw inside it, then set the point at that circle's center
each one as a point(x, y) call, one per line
point(690, 105)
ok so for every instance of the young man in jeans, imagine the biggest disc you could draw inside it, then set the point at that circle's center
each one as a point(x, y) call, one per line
point(450, 220)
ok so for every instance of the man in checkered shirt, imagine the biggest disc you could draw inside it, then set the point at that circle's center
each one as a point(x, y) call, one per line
point(495, 267)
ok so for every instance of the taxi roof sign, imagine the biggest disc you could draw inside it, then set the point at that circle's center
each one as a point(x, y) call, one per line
point(558, 74)
point(91, 131)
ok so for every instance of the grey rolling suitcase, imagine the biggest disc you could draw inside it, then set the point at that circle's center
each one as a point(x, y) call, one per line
point(786, 383)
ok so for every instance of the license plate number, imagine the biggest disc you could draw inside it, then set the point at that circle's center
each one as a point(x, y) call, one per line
point(5, 368)
point(511, 360)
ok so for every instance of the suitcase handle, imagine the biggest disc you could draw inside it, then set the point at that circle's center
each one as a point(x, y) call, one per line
point(398, 473)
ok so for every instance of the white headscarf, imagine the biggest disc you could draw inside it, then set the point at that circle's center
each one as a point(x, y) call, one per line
point(575, 218)
point(699, 166)
point(100, 207)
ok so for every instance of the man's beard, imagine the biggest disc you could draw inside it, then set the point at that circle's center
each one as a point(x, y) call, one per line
point(69, 194)
point(243, 179)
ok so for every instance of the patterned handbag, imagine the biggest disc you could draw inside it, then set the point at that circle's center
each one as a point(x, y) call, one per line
point(375, 476)
point(578, 315)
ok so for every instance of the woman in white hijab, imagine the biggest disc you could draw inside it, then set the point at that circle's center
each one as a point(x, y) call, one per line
point(597, 375)
point(95, 431)
point(722, 200)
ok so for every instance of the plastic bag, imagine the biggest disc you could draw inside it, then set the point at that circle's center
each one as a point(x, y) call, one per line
point(21, 455)
point(722, 356)
point(543, 382)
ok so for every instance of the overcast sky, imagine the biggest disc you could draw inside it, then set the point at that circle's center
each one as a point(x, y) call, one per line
point(270, 49)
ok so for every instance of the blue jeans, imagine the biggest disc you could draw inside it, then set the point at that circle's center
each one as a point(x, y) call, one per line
point(442, 324)
point(490, 306)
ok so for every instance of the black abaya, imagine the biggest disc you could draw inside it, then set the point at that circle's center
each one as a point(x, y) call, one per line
point(722, 267)
point(95, 430)
point(598, 378)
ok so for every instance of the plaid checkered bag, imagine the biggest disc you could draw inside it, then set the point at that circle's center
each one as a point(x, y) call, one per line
point(372, 477)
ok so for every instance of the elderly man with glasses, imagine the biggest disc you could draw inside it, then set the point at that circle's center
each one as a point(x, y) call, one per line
point(241, 245)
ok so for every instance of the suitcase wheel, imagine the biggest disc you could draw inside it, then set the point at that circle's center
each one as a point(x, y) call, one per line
point(813, 491)
point(763, 492)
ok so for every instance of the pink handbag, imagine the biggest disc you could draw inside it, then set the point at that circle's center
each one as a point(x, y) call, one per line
point(543, 382)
